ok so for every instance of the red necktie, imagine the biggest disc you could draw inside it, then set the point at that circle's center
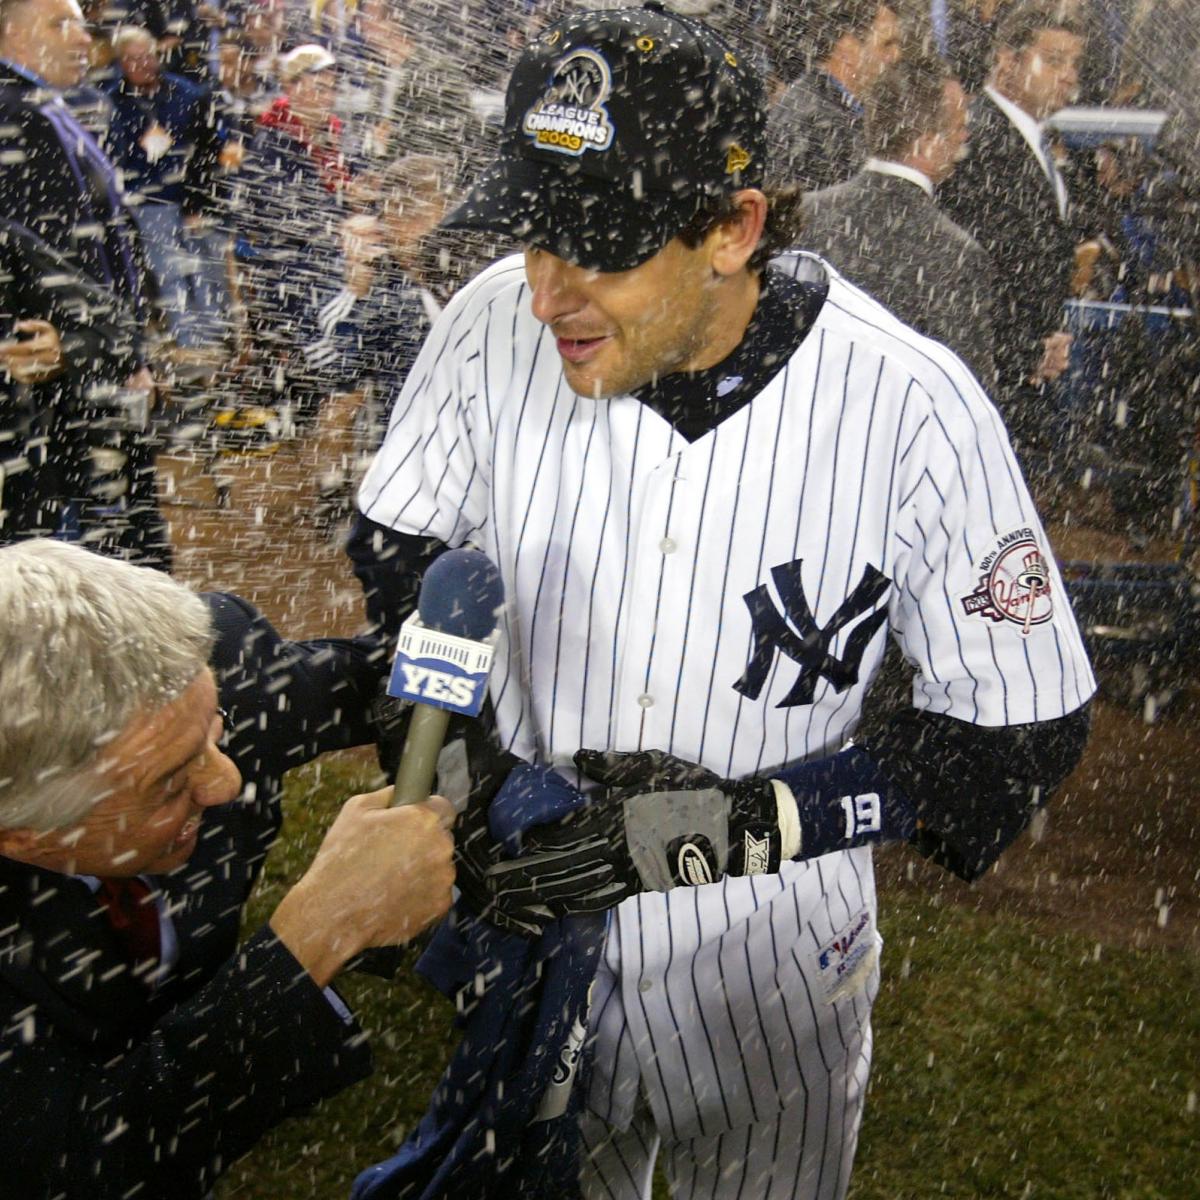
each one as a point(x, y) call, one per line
point(133, 915)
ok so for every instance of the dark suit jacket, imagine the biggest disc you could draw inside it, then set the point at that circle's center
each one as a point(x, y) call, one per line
point(45, 427)
point(184, 174)
point(1002, 198)
point(53, 191)
point(105, 1086)
point(886, 235)
point(814, 134)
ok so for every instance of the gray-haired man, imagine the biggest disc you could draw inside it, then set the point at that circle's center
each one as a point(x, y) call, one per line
point(143, 738)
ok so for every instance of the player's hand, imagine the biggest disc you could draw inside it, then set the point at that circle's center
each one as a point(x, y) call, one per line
point(733, 824)
point(661, 823)
point(579, 864)
point(380, 876)
point(493, 830)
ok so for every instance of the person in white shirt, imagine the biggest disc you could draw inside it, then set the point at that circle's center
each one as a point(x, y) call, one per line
point(1011, 198)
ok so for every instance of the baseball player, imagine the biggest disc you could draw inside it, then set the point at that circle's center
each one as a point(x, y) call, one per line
point(713, 485)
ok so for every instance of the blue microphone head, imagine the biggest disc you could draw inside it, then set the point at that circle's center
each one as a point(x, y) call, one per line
point(461, 595)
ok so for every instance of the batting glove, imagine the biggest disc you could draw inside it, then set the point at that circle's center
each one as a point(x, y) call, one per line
point(662, 823)
point(685, 825)
point(501, 798)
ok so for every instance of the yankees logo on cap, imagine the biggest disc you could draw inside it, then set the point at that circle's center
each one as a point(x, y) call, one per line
point(571, 118)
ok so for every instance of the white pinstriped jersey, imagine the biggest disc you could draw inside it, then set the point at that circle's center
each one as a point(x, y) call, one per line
point(628, 555)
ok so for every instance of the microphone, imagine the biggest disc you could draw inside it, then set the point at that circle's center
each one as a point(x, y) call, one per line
point(443, 660)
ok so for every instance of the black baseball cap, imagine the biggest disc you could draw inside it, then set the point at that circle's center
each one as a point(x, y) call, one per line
point(618, 126)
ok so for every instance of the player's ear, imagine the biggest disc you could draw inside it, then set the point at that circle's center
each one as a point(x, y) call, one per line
point(736, 238)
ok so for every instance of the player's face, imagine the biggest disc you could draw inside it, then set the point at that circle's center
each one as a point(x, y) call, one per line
point(615, 331)
point(1045, 75)
point(159, 774)
point(48, 37)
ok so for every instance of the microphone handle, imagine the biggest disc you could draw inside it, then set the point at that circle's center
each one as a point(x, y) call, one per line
point(418, 759)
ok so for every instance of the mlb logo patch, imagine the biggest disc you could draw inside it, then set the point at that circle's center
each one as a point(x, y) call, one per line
point(848, 958)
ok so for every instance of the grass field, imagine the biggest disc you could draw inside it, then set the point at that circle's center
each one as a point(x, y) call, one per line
point(1011, 1060)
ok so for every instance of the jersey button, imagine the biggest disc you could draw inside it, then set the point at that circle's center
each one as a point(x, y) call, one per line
point(668, 545)
point(646, 701)
point(645, 985)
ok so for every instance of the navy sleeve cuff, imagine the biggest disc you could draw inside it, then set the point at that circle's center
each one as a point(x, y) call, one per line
point(846, 800)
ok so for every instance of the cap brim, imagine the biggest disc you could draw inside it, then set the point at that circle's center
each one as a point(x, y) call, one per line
point(582, 220)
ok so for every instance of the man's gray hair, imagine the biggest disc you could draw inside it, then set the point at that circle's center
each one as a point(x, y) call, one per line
point(85, 643)
point(130, 35)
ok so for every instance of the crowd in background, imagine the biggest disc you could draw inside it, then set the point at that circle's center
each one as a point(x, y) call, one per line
point(226, 233)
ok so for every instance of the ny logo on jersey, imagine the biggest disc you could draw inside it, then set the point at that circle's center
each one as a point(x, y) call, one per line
point(804, 641)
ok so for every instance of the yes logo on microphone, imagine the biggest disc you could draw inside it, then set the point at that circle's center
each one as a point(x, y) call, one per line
point(440, 669)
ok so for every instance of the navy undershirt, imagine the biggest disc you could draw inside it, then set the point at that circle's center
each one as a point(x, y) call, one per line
point(694, 402)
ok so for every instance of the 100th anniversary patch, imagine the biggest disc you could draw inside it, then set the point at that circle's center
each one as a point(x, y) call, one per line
point(570, 118)
point(1014, 583)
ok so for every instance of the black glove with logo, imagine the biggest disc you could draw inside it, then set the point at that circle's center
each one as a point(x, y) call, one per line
point(662, 823)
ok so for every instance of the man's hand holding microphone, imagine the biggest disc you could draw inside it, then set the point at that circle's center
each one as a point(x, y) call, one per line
point(385, 869)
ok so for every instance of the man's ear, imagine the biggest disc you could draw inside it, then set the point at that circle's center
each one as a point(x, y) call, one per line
point(737, 237)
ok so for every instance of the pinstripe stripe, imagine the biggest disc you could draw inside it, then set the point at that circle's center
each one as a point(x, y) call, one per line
point(848, 582)
point(729, 1002)
point(562, 607)
point(728, 767)
point(617, 627)
point(658, 597)
point(667, 1085)
point(591, 610)
point(724, 590)
point(691, 599)
point(701, 1008)
point(538, 607)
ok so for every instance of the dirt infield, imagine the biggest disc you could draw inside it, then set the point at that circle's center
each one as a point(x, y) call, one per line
point(1116, 858)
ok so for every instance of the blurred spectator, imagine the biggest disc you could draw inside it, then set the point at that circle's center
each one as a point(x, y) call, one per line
point(239, 99)
point(1011, 197)
point(60, 185)
point(64, 341)
point(970, 30)
point(371, 329)
point(163, 137)
point(288, 201)
point(262, 33)
point(329, 21)
point(884, 232)
point(182, 29)
point(368, 334)
point(828, 54)
point(401, 92)
point(1106, 25)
